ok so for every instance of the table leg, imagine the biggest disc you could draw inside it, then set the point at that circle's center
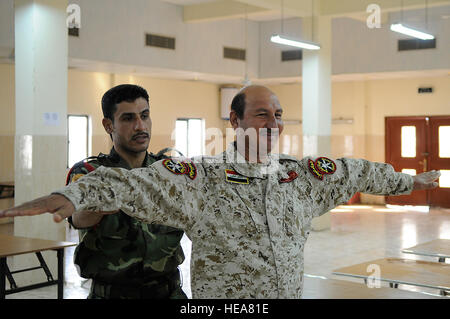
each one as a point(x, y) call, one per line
point(60, 255)
point(44, 266)
point(12, 282)
point(2, 277)
point(393, 285)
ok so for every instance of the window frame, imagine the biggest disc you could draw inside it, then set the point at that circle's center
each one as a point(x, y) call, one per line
point(187, 119)
point(88, 136)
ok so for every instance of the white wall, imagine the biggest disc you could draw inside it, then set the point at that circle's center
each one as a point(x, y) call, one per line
point(6, 27)
point(358, 49)
point(113, 32)
point(270, 58)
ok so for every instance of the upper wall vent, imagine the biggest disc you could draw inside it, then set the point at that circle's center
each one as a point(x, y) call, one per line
point(416, 44)
point(291, 55)
point(159, 41)
point(74, 31)
point(234, 53)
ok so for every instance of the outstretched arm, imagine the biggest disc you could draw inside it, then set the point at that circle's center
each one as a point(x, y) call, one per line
point(356, 175)
point(57, 205)
point(146, 194)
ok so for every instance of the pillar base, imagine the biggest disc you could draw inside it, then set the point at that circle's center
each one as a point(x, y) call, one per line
point(322, 222)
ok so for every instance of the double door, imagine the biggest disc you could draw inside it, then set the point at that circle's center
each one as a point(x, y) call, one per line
point(420, 144)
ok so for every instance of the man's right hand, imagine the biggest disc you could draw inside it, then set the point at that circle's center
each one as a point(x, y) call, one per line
point(86, 219)
point(57, 205)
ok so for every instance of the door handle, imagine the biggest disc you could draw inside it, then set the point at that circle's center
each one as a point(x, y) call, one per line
point(424, 164)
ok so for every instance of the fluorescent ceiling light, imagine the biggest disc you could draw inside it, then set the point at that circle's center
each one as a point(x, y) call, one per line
point(411, 32)
point(295, 43)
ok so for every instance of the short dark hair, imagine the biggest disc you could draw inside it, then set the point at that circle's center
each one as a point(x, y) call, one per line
point(119, 94)
point(238, 104)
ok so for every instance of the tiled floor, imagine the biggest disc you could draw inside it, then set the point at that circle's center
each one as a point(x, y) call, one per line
point(358, 233)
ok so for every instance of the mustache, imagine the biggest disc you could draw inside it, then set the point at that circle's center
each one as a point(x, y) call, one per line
point(140, 134)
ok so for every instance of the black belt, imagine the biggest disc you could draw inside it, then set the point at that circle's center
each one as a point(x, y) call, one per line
point(159, 288)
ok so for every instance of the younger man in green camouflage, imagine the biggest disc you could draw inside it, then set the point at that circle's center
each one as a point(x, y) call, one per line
point(124, 257)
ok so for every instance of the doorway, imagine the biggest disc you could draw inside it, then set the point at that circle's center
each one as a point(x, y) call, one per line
point(417, 144)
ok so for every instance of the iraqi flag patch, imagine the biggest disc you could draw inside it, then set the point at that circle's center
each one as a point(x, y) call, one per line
point(322, 166)
point(234, 177)
point(181, 168)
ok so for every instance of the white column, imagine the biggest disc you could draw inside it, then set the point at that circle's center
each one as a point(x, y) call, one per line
point(41, 49)
point(316, 86)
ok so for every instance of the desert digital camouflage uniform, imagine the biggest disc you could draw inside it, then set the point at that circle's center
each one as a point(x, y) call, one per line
point(124, 257)
point(248, 222)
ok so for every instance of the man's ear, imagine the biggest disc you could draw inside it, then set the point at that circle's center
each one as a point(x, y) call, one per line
point(108, 125)
point(234, 119)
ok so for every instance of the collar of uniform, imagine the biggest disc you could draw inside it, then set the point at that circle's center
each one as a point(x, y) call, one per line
point(116, 158)
point(244, 168)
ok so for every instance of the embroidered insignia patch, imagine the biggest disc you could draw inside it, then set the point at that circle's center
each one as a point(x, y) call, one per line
point(76, 177)
point(322, 166)
point(181, 168)
point(292, 175)
point(233, 177)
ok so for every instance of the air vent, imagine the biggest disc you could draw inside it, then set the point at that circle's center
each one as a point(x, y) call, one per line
point(233, 53)
point(153, 40)
point(291, 55)
point(416, 44)
point(74, 32)
point(425, 90)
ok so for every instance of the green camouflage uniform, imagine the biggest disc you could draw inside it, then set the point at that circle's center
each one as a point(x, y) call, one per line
point(125, 257)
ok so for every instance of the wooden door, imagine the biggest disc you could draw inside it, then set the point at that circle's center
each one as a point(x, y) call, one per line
point(406, 151)
point(440, 159)
point(419, 144)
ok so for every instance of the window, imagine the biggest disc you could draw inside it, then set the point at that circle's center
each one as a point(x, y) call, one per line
point(444, 180)
point(408, 141)
point(444, 141)
point(78, 139)
point(190, 136)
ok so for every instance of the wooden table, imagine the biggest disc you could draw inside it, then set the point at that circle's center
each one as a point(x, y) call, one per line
point(439, 248)
point(322, 288)
point(13, 246)
point(403, 271)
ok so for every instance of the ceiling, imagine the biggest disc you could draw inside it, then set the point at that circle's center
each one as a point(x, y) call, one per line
point(263, 10)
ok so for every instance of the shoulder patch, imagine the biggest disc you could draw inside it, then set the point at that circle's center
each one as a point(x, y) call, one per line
point(76, 177)
point(89, 167)
point(181, 168)
point(322, 166)
point(292, 175)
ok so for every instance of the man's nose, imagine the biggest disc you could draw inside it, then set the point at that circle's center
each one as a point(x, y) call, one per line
point(272, 123)
point(139, 125)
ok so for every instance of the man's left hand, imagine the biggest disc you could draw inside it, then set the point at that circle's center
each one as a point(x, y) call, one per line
point(426, 180)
